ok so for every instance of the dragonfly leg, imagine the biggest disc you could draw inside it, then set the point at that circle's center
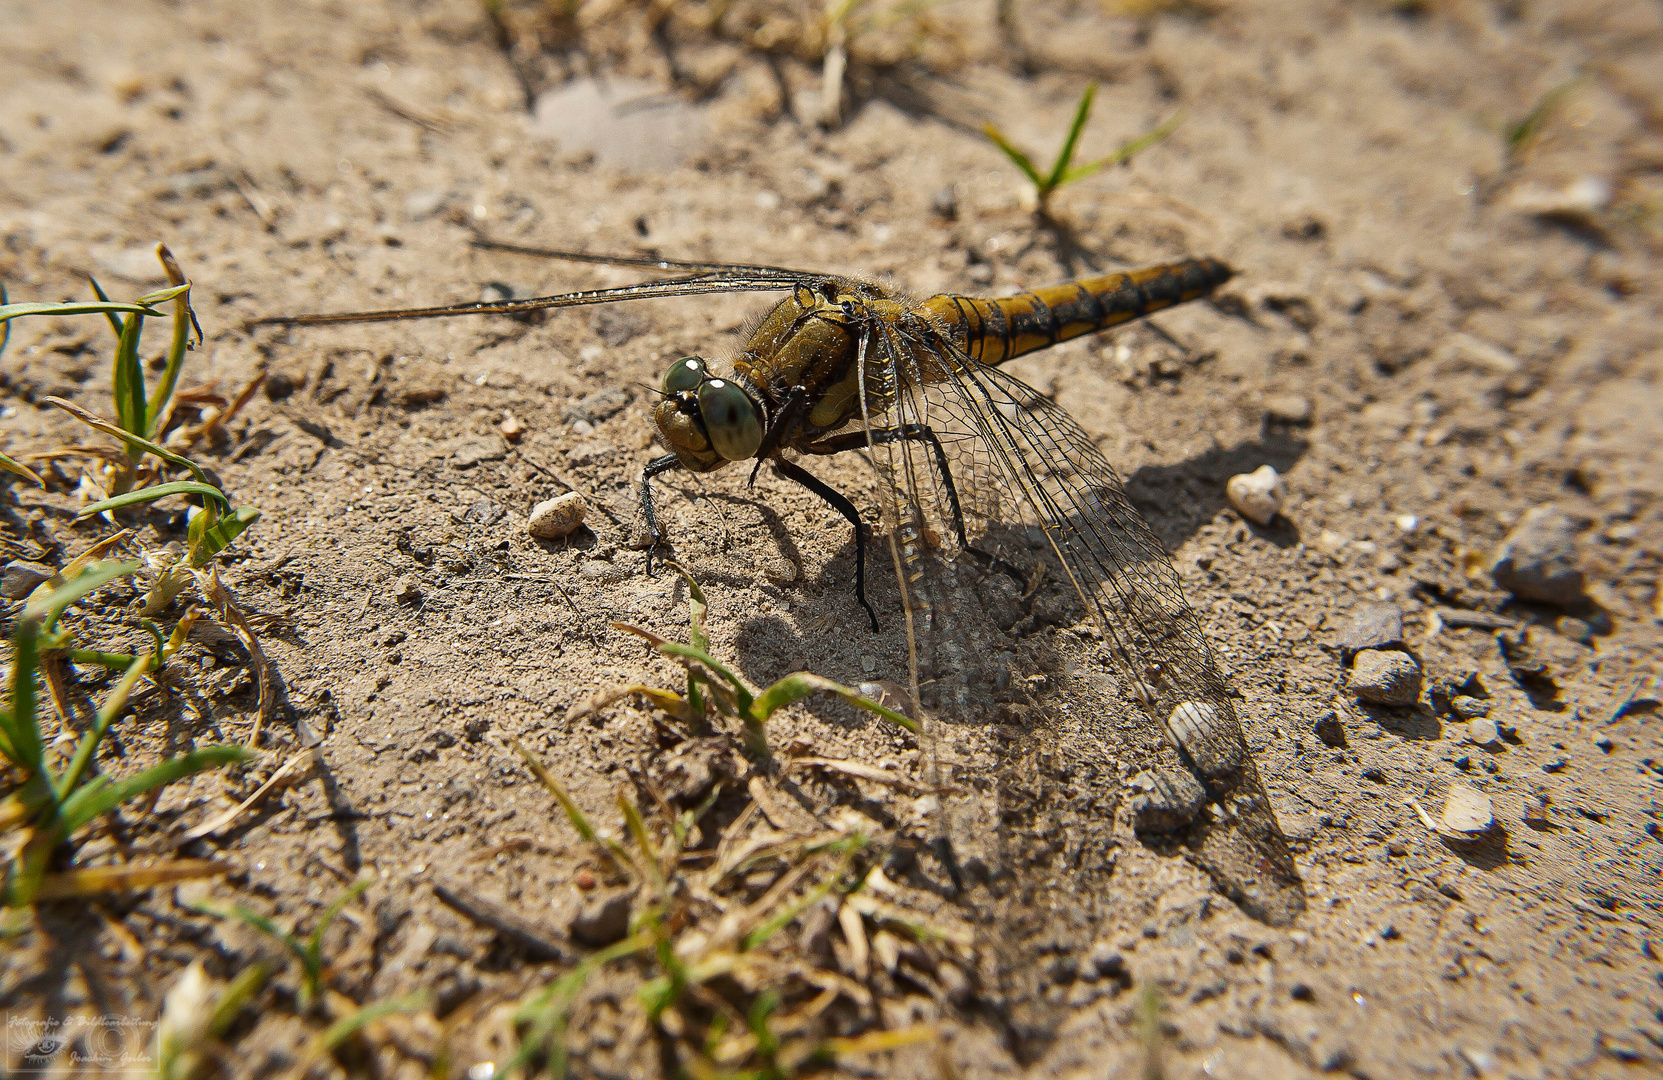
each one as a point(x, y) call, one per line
point(837, 501)
point(654, 468)
point(858, 440)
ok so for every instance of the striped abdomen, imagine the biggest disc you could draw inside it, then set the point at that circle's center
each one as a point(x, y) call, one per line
point(993, 331)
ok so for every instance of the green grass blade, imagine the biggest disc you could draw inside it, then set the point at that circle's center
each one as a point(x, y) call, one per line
point(1018, 158)
point(217, 536)
point(257, 921)
point(346, 1027)
point(1066, 154)
point(98, 423)
point(687, 652)
point(799, 685)
point(151, 494)
point(45, 611)
point(17, 468)
point(1127, 150)
point(314, 944)
point(116, 321)
point(184, 319)
point(9, 312)
point(247, 983)
point(1520, 136)
point(127, 383)
point(22, 727)
point(78, 809)
point(101, 723)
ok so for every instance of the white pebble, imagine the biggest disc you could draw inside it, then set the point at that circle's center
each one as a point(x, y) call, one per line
point(1257, 495)
point(557, 517)
point(1467, 813)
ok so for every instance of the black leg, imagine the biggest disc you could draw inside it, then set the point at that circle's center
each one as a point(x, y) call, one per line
point(859, 440)
point(843, 506)
point(654, 468)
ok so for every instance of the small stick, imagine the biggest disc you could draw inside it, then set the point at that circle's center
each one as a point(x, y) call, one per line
point(528, 936)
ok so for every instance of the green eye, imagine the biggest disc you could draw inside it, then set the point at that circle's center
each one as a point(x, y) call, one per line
point(685, 374)
point(731, 419)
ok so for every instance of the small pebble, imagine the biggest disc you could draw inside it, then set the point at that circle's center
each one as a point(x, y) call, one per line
point(407, 589)
point(1469, 708)
point(1386, 677)
point(22, 578)
point(1575, 629)
point(1537, 560)
point(511, 427)
point(1289, 408)
point(1258, 495)
point(1171, 798)
point(1482, 731)
point(278, 386)
point(1374, 626)
point(945, 203)
point(1329, 729)
point(1467, 813)
point(557, 517)
point(602, 920)
point(584, 880)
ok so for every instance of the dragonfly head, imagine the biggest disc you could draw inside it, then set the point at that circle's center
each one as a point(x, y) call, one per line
point(707, 421)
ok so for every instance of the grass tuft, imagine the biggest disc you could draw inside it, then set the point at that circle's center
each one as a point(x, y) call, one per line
point(1063, 171)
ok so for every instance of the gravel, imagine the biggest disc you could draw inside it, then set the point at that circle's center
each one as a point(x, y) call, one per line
point(1374, 626)
point(22, 578)
point(1386, 677)
point(557, 517)
point(1258, 495)
point(1537, 560)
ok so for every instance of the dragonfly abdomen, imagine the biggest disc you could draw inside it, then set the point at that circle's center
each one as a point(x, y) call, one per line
point(993, 331)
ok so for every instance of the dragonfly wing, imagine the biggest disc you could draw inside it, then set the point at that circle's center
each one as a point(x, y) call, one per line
point(1019, 859)
point(1153, 639)
point(694, 285)
point(1028, 477)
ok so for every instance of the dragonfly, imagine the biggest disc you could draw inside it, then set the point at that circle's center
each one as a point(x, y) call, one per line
point(970, 463)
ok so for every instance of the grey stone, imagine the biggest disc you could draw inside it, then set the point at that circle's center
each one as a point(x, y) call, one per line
point(278, 386)
point(1482, 730)
point(483, 512)
point(470, 452)
point(1386, 677)
point(1373, 626)
point(602, 920)
point(1469, 708)
point(1169, 801)
point(22, 578)
point(1537, 560)
point(597, 406)
point(1289, 408)
point(1329, 729)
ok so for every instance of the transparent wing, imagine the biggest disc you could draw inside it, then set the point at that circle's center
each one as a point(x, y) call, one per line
point(648, 262)
point(722, 281)
point(1028, 480)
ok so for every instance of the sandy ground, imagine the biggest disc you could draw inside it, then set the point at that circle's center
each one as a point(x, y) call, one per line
point(1474, 332)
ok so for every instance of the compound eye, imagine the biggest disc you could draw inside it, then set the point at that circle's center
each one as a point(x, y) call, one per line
point(685, 374)
point(731, 418)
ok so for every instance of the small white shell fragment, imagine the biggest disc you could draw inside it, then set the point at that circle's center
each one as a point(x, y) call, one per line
point(1467, 813)
point(1258, 495)
point(557, 517)
point(1206, 737)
